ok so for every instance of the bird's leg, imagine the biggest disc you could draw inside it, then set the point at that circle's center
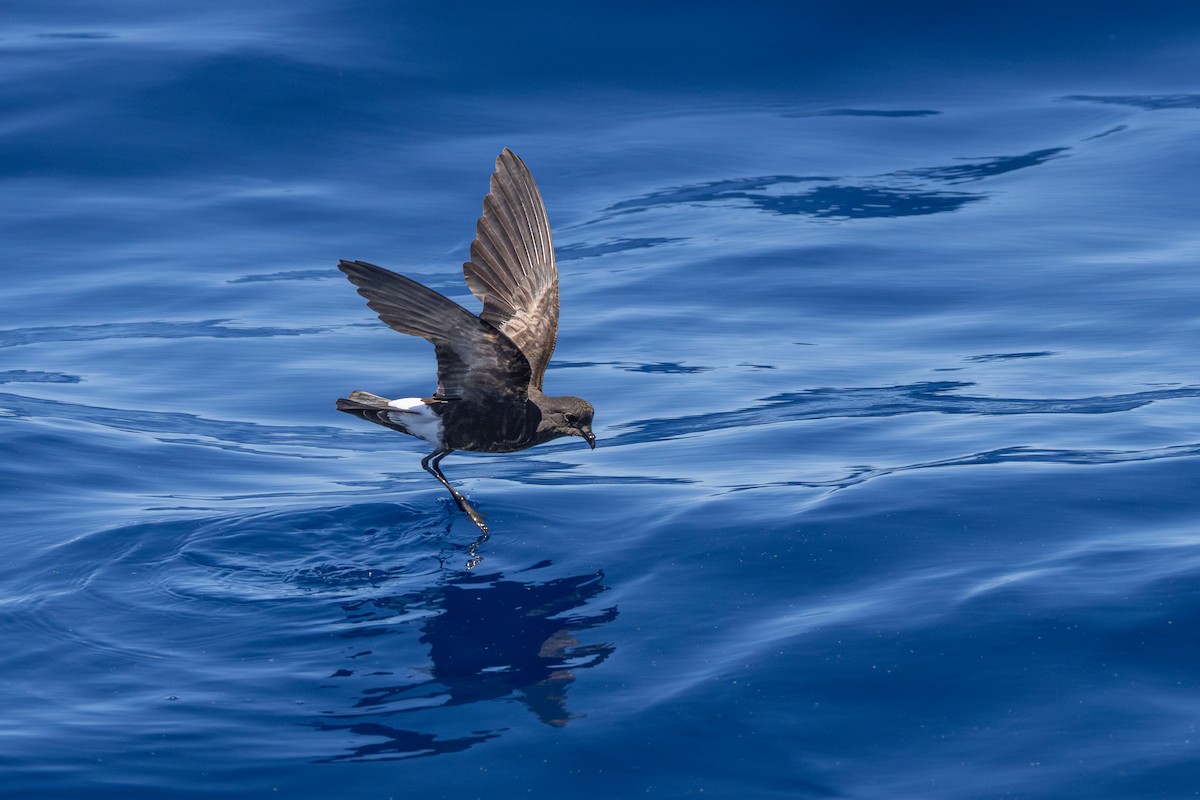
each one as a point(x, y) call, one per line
point(431, 464)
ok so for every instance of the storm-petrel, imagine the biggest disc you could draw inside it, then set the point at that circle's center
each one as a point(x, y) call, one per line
point(490, 367)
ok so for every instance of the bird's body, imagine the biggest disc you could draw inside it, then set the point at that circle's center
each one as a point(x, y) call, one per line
point(490, 367)
point(458, 424)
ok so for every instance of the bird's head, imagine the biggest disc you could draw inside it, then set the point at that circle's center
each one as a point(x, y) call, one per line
point(570, 416)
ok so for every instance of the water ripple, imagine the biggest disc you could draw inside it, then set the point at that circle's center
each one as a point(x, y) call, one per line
point(31, 376)
point(290, 275)
point(660, 367)
point(883, 401)
point(863, 112)
point(210, 329)
point(191, 429)
point(1001, 455)
point(616, 245)
point(374, 604)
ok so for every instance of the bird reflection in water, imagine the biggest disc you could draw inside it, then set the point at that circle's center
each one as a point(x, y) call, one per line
point(489, 638)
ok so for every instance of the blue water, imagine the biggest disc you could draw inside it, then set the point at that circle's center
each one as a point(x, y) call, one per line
point(888, 312)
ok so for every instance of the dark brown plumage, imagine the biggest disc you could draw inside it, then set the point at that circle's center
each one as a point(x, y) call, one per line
point(490, 367)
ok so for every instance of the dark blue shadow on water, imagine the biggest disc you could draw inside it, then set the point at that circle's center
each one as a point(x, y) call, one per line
point(490, 638)
point(903, 193)
point(984, 357)
point(1150, 102)
point(979, 168)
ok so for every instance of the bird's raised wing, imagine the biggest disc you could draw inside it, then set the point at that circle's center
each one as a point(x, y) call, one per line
point(475, 361)
point(512, 264)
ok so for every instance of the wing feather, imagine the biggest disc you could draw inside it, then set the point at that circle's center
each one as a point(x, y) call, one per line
point(512, 269)
point(475, 360)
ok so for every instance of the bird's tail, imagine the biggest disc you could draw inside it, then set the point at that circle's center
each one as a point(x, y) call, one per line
point(360, 399)
point(370, 407)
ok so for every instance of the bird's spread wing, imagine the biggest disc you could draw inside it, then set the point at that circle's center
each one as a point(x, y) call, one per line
point(475, 361)
point(512, 264)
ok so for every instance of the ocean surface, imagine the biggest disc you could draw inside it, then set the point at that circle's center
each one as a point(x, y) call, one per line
point(890, 314)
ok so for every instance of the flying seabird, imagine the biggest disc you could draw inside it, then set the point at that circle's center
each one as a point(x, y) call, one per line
point(490, 367)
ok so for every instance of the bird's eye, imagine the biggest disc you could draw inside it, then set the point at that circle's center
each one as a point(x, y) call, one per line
point(570, 419)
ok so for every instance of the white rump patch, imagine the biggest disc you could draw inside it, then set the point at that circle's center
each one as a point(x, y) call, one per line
point(418, 419)
point(409, 404)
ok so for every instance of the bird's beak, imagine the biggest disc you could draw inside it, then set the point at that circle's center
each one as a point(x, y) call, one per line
point(586, 432)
